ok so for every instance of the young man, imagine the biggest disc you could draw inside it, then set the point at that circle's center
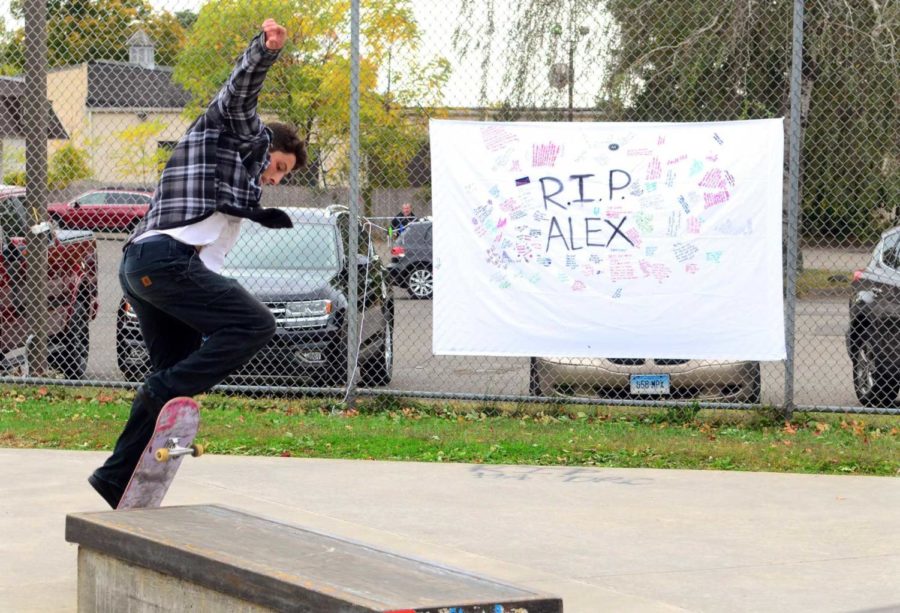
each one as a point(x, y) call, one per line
point(198, 325)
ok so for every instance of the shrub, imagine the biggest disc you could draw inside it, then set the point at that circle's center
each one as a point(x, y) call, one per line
point(67, 165)
point(16, 177)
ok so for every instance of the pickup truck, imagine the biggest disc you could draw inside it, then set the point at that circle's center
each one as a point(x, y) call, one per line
point(71, 288)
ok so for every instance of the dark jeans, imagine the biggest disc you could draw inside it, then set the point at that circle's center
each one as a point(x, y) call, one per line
point(179, 302)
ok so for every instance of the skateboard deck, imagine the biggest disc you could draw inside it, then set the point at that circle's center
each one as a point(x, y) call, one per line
point(172, 439)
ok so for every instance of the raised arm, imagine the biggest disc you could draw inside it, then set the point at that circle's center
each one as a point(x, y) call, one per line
point(237, 100)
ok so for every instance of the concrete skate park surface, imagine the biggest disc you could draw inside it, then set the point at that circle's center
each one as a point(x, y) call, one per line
point(602, 539)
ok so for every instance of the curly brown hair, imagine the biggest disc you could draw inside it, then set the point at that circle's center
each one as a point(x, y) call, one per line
point(285, 138)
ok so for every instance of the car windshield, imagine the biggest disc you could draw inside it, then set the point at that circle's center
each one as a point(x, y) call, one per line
point(306, 246)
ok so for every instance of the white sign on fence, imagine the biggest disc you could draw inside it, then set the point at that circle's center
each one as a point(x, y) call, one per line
point(608, 239)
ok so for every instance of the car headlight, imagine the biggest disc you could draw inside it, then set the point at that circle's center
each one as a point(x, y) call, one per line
point(305, 314)
point(308, 308)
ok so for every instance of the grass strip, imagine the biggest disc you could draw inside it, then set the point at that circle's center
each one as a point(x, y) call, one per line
point(390, 428)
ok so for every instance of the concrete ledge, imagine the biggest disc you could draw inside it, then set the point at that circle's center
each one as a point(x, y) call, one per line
point(109, 584)
point(216, 558)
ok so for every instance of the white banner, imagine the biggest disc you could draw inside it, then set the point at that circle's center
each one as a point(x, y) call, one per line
point(608, 239)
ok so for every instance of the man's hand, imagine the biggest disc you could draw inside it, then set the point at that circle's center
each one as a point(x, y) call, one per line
point(275, 34)
point(272, 218)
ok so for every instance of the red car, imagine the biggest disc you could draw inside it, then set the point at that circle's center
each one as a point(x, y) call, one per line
point(71, 285)
point(102, 209)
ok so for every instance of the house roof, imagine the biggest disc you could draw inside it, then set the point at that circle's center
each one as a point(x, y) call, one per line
point(140, 39)
point(12, 90)
point(121, 85)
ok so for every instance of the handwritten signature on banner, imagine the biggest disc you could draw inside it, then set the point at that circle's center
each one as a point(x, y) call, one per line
point(639, 215)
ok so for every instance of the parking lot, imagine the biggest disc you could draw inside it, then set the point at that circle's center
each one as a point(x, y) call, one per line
point(823, 368)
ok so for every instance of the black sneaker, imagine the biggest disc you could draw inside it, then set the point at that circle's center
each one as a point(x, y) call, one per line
point(110, 493)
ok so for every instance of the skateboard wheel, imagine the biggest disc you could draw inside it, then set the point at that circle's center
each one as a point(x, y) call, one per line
point(162, 455)
point(197, 450)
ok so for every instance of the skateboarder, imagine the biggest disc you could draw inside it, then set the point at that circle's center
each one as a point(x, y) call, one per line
point(198, 325)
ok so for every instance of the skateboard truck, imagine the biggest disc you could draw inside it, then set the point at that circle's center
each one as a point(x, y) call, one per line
point(173, 450)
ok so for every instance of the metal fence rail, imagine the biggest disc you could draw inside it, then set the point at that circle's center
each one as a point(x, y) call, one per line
point(96, 96)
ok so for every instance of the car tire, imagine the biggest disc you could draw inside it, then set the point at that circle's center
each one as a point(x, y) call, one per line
point(378, 370)
point(70, 354)
point(132, 371)
point(753, 391)
point(420, 284)
point(534, 379)
point(334, 370)
point(875, 384)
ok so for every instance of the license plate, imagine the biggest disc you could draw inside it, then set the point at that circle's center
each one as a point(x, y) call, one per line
point(650, 384)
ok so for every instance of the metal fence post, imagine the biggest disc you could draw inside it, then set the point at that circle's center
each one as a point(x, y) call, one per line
point(34, 115)
point(793, 234)
point(353, 279)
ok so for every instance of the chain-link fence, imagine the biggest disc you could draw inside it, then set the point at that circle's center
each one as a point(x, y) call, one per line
point(350, 285)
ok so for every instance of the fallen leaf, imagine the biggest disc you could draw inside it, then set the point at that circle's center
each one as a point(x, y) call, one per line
point(857, 427)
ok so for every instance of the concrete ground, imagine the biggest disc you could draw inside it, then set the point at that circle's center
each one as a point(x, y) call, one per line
point(603, 539)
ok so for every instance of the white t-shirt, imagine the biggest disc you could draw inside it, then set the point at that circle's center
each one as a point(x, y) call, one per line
point(215, 236)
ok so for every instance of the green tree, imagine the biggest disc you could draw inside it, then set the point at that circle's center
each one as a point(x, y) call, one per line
point(186, 19)
point(83, 30)
point(704, 61)
point(310, 84)
point(11, 58)
point(518, 45)
point(684, 60)
point(137, 161)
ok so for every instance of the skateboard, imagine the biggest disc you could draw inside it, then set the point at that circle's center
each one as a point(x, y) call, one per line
point(173, 438)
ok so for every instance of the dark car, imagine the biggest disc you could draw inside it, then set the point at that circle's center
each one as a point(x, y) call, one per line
point(873, 337)
point(102, 209)
point(411, 260)
point(302, 275)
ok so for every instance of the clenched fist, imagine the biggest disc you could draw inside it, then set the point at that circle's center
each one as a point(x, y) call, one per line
point(275, 34)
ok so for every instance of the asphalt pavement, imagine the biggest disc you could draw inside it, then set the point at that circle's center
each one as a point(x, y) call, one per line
point(603, 539)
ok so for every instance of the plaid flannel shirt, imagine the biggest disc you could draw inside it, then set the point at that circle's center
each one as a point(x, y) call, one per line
point(217, 164)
